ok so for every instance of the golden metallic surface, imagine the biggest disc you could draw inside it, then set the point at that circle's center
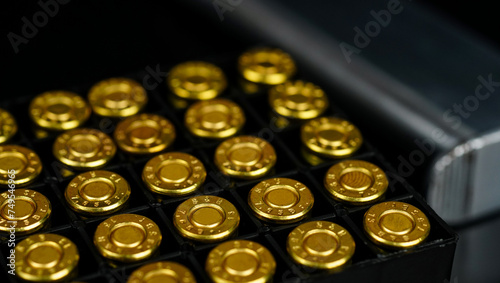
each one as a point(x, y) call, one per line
point(84, 148)
point(97, 192)
point(144, 133)
point(396, 224)
point(29, 210)
point(117, 97)
point(331, 137)
point(245, 157)
point(269, 66)
point(206, 219)
point(46, 257)
point(320, 244)
point(174, 174)
point(215, 118)
point(240, 261)
point(310, 157)
point(356, 182)
point(127, 237)
point(8, 126)
point(22, 161)
point(298, 100)
point(280, 200)
point(162, 271)
point(59, 110)
point(196, 80)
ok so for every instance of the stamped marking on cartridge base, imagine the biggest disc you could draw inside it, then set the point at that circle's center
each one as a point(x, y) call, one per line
point(240, 261)
point(280, 200)
point(127, 237)
point(396, 225)
point(331, 137)
point(356, 182)
point(320, 244)
point(206, 219)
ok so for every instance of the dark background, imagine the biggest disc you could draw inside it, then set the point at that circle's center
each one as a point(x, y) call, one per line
point(86, 41)
point(89, 40)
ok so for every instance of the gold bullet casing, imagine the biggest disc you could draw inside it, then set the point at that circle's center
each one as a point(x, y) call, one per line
point(396, 225)
point(59, 110)
point(206, 219)
point(245, 157)
point(84, 148)
point(269, 66)
point(144, 133)
point(8, 126)
point(298, 100)
point(97, 193)
point(280, 200)
point(196, 80)
point(117, 97)
point(24, 161)
point(46, 257)
point(320, 244)
point(356, 182)
point(162, 271)
point(240, 261)
point(174, 174)
point(215, 118)
point(30, 210)
point(331, 137)
point(127, 237)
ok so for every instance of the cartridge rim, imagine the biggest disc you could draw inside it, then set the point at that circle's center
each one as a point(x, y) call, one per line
point(117, 97)
point(206, 219)
point(269, 66)
point(174, 174)
point(196, 80)
point(298, 100)
point(245, 157)
point(162, 271)
point(31, 211)
point(396, 225)
point(332, 137)
point(144, 133)
point(356, 182)
point(321, 244)
point(84, 148)
point(280, 200)
point(59, 110)
point(97, 192)
point(8, 126)
point(24, 161)
point(46, 257)
point(127, 237)
point(240, 261)
point(216, 118)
